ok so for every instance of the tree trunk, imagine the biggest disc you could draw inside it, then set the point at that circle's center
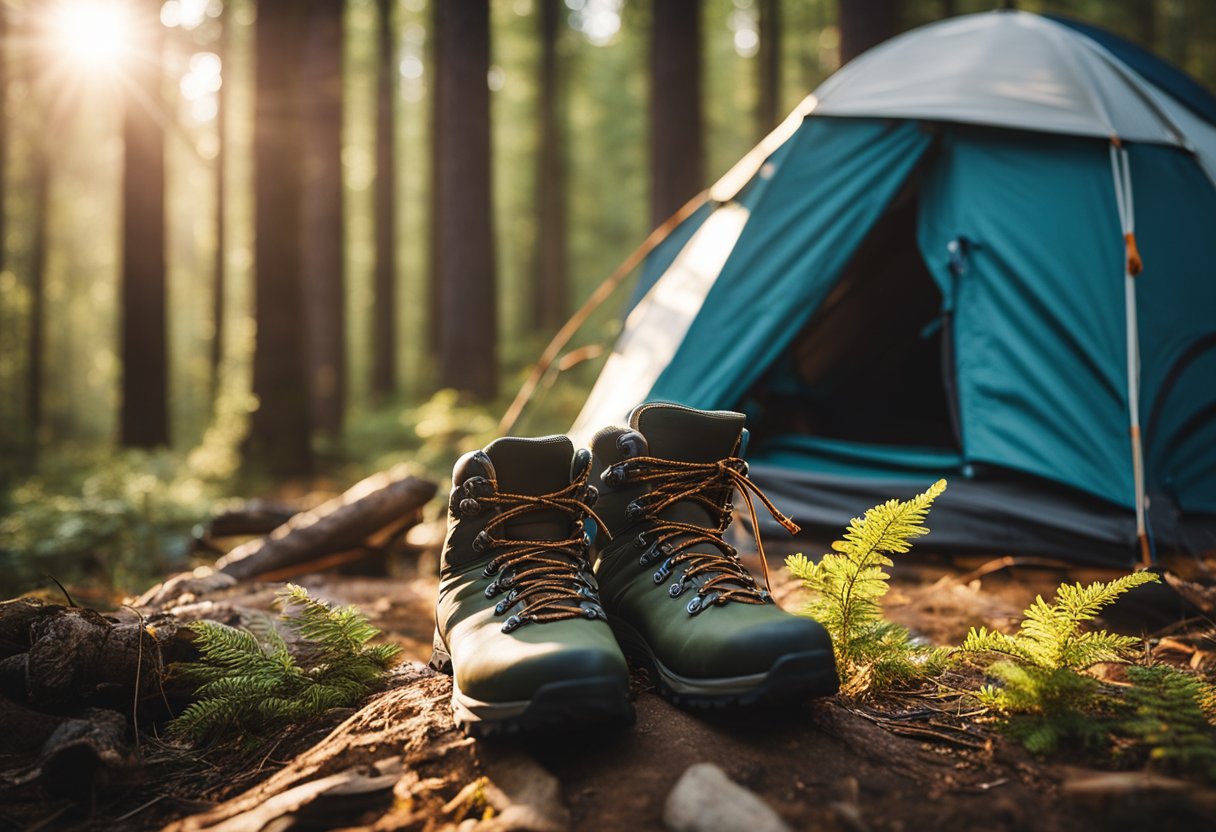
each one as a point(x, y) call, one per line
point(145, 397)
point(677, 154)
point(770, 65)
point(550, 292)
point(468, 358)
point(1144, 16)
point(40, 187)
point(322, 263)
point(3, 136)
point(219, 273)
point(280, 427)
point(384, 294)
point(866, 23)
point(434, 316)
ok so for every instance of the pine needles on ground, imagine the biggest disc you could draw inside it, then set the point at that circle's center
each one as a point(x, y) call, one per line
point(849, 585)
point(252, 684)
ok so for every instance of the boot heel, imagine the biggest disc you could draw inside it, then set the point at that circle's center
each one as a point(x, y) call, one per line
point(441, 660)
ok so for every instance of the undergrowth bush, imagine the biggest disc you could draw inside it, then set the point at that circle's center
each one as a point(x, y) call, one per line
point(115, 517)
point(251, 684)
point(848, 586)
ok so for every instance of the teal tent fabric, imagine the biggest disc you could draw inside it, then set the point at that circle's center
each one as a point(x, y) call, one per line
point(858, 459)
point(1176, 295)
point(838, 177)
point(1039, 335)
point(665, 253)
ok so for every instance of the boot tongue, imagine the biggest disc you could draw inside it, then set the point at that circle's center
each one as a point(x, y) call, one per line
point(687, 435)
point(534, 467)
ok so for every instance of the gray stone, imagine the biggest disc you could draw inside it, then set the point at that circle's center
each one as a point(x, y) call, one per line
point(706, 800)
point(526, 796)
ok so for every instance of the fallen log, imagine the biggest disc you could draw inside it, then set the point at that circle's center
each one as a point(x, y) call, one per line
point(254, 517)
point(386, 499)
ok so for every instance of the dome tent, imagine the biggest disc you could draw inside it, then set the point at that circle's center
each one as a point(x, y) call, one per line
point(933, 268)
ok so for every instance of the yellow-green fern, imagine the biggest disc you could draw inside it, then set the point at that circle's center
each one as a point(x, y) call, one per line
point(848, 587)
point(1039, 687)
point(1053, 636)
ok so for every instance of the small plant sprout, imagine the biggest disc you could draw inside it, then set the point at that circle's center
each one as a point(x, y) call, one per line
point(1039, 686)
point(252, 684)
point(848, 587)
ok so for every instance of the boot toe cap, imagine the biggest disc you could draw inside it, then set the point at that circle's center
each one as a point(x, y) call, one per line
point(752, 647)
point(516, 670)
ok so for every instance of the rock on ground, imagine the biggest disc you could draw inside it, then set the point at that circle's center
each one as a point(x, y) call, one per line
point(706, 800)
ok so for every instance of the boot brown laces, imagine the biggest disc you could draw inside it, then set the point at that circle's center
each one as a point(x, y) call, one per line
point(708, 485)
point(551, 579)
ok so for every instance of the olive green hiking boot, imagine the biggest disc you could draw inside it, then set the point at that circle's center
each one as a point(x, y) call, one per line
point(679, 599)
point(519, 623)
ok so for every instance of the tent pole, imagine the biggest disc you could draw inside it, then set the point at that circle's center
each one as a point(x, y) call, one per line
point(1132, 265)
point(601, 294)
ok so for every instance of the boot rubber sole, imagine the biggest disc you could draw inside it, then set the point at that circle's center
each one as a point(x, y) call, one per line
point(803, 675)
point(557, 706)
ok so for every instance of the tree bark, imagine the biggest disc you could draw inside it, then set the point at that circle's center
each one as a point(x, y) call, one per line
point(322, 263)
point(219, 273)
point(550, 291)
point(384, 294)
point(434, 316)
point(145, 396)
point(865, 23)
point(468, 339)
point(677, 154)
point(280, 427)
point(770, 65)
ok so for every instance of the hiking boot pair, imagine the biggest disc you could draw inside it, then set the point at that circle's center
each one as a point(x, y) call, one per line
point(557, 560)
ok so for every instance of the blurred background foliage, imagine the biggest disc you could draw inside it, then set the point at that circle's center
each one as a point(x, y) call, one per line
point(75, 504)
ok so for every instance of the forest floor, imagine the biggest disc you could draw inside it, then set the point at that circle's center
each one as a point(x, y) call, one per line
point(904, 762)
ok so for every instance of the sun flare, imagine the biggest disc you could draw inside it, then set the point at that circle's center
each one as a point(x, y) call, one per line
point(94, 34)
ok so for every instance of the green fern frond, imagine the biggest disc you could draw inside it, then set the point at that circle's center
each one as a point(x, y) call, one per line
point(983, 640)
point(383, 656)
point(251, 683)
point(889, 527)
point(849, 584)
point(1083, 603)
point(1164, 712)
point(1051, 635)
point(342, 629)
point(1043, 696)
point(801, 567)
point(1088, 649)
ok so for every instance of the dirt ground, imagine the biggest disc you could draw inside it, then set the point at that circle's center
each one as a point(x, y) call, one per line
point(901, 763)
